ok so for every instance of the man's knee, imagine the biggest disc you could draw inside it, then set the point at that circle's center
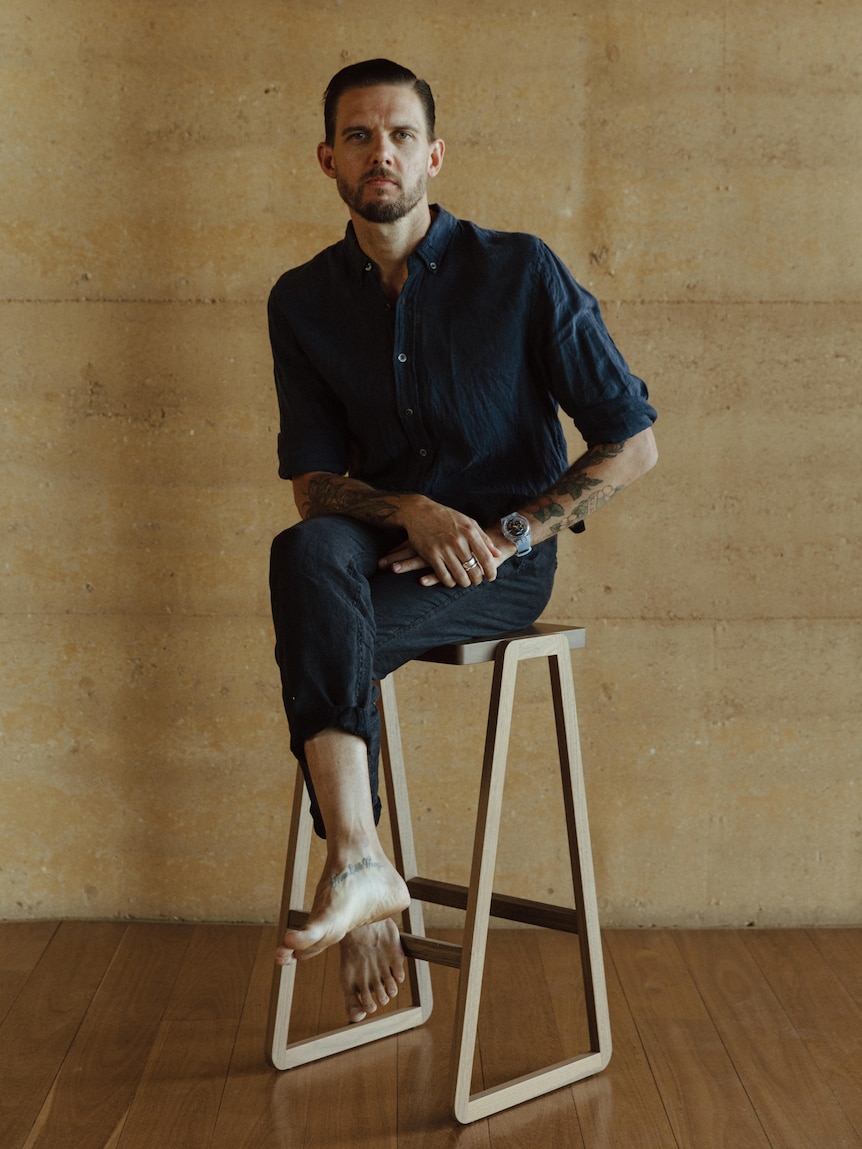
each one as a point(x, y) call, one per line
point(307, 546)
point(328, 542)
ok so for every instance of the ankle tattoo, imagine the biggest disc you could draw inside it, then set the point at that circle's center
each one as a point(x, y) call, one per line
point(356, 868)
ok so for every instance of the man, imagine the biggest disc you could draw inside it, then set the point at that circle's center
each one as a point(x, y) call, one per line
point(419, 364)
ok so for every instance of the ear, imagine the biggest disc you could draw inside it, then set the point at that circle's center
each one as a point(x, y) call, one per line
point(435, 159)
point(324, 158)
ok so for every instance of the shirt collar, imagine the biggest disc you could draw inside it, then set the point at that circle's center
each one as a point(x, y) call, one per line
point(430, 251)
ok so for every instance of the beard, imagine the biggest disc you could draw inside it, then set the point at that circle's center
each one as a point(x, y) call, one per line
point(381, 211)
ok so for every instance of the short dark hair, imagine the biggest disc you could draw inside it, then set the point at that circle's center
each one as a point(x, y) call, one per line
point(368, 74)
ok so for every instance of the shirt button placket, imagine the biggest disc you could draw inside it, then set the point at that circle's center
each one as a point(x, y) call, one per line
point(406, 387)
point(408, 411)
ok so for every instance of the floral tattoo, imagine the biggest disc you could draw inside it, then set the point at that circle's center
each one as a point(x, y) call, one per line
point(588, 492)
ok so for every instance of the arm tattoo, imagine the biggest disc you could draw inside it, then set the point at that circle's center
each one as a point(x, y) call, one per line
point(328, 495)
point(588, 492)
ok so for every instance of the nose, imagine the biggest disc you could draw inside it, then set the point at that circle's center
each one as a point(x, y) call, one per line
point(381, 153)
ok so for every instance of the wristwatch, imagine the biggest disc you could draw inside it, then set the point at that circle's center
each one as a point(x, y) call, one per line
point(517, 530)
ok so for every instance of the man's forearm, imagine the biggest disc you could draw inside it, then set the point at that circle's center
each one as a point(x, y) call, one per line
point(590, 482)
point(436, 536)
point(323, 493)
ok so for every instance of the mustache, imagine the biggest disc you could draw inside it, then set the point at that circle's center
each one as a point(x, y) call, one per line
point(381, 174)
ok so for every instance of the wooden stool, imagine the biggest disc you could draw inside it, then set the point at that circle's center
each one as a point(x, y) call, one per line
point(478, 898)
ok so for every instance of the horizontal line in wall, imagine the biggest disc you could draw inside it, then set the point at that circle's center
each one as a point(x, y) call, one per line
point(191, 302)
point(607, 302)
point(694, 620)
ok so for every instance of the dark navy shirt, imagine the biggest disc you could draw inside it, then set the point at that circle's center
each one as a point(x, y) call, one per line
point(454, 391)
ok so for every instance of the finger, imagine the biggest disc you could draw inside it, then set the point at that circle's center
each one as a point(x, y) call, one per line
point(474, 569)
point(416, 563)
point(398, 554)
point(488, 555)
point(458, 566)
point(446, 571)
point(469, 570)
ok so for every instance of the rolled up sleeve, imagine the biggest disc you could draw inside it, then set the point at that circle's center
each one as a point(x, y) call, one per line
point(586, 372)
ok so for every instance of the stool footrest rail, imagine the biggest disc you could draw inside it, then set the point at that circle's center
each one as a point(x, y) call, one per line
point(524, 910)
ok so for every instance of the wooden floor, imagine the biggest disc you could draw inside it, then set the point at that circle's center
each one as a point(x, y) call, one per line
point(137, 1036)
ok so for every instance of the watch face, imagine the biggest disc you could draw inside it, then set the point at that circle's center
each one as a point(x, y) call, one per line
point(517, 526)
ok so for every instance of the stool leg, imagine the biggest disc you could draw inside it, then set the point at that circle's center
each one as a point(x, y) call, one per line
point(293, 893)
point(284, 1053)
point(581, 856)
point(465, 1107)
point(403, 845)
point(481, 889)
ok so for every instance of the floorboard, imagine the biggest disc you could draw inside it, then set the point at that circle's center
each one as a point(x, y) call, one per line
point(842, 951)
point(21, 946)
point(106, 1059)
point(793, 1099)
point(827, 1018)
point(251, 1112)
point(622, 1108)
point(705, 1101)
point(41, 1024)
point(125, 1036)
point(178, 1099)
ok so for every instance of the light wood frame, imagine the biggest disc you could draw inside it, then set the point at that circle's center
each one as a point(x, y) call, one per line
point(478, 898)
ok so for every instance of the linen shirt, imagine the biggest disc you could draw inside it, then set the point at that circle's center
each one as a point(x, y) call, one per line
point(452, 392)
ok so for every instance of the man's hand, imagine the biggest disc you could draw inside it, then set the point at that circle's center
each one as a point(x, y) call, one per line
point(437, 536)
point(446, 541)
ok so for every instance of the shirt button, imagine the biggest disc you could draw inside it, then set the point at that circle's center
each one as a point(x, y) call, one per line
point(408, 411)
point(402, 358)
point(368, 266)
point(433, 266)
point(422, 452)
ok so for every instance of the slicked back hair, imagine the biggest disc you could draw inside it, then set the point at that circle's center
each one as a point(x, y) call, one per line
point(368, 74)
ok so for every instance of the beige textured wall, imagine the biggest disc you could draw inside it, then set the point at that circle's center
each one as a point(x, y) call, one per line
point(698, 166)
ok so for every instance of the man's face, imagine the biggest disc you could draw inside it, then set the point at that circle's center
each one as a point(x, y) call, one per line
point(381, 157)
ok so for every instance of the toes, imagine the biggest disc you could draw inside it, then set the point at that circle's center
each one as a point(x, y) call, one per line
point(367, 1001)
point(355, 1013)
point(372, 967)
point(361, 1002)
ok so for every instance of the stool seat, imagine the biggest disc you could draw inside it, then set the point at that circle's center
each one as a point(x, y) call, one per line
point(476, 650)
point(553, 643)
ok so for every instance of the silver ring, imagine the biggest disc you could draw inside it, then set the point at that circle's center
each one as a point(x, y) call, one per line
point(471, 563)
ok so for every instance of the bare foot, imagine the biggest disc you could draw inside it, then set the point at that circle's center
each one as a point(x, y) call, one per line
point(350, 894)
point(372, 967)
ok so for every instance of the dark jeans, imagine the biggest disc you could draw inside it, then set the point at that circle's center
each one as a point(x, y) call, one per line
point(341, 624)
